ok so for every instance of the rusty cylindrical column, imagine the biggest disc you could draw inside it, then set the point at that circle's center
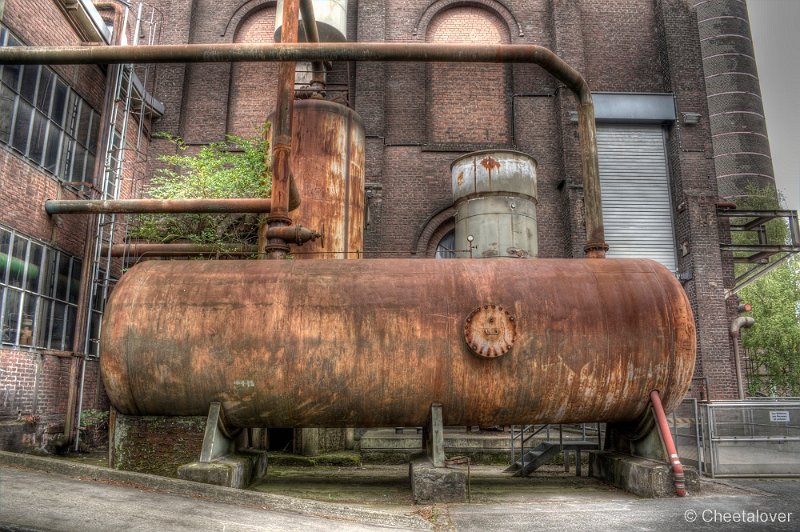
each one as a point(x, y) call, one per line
point(328, 150)
point(277, 248)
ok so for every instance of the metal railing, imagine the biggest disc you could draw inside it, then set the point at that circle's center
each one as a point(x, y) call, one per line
point(521, 436)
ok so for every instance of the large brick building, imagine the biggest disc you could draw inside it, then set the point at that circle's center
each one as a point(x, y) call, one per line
point(680, 125)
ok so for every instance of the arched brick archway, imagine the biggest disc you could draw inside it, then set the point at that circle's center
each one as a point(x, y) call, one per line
point(497, 8)
point(468, 104)
point(433, 230)
point(252, 86)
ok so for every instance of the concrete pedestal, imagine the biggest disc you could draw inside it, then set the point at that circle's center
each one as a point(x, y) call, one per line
point(234, 471)
point(431, 484)
point(640, 476)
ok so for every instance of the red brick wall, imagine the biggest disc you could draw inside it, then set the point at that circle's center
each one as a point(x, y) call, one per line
point(253, 91)
point(468, 104)
point(34, 384)
point(33, 389)
point(621, 51)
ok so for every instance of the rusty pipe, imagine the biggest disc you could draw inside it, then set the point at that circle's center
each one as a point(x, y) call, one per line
point(273, 247)
point(515, 53)
point(296, 234)
point(318, 75)
point(158, 206)
point(164, 250)
point(666, 437)
point(741, 322)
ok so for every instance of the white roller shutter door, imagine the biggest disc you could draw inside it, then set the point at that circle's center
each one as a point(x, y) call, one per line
point(634, 177)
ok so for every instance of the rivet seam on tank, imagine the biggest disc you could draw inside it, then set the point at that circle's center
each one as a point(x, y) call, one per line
point(490, 331)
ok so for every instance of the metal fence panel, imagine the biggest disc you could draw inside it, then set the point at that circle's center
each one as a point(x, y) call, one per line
point(752, 438)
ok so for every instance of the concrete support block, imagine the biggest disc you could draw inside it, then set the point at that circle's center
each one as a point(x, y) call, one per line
point(234, 471)
point(431, 484)
point(640, 476)
point(310, 442)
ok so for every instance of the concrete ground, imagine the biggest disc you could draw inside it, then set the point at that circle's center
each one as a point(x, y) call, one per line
point(47, 494)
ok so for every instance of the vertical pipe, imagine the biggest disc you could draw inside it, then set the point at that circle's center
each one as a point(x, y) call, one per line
point(318, 77)
point(277, 248)
point(666, 437)
point(77, 364)
point(596, 246)
point(737, 324)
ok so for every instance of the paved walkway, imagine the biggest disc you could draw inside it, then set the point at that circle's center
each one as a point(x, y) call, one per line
point(46, 494)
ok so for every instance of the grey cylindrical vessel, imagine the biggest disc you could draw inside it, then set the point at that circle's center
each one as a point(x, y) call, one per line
point(495, 196)
point(331, 16)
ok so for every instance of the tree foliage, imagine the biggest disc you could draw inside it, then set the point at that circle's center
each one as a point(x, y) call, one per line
point(773, 343)
point(235, 168)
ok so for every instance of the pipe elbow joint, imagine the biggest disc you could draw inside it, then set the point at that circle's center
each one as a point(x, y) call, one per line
point(742, 322)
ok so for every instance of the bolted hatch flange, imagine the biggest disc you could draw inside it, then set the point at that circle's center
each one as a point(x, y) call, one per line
point(489, 331)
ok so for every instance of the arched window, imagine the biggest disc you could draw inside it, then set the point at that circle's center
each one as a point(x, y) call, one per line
point(446, 248)
point(252, 94)
point(468, 103)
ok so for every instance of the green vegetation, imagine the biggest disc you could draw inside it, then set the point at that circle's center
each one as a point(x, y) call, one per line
point(773, 343)
point(93, 418)
point(235, 168)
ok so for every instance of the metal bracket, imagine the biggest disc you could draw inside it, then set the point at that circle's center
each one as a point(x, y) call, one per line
point(433, 436)
point(218, 440)
point(764, 256)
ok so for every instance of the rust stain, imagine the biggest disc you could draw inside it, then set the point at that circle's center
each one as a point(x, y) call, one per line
point(330, 170)
point(490, 164)
point(460, 179)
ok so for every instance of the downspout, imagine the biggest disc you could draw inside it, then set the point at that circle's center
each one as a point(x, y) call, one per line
point(741, 322)
point(79, 344)
point(666, 437)
point(595, 247)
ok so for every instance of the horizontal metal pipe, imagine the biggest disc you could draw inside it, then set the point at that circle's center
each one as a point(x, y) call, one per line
point(157, 206)
point(139, 250)
point(509, 53)
point(361, 51)
point(295, 234)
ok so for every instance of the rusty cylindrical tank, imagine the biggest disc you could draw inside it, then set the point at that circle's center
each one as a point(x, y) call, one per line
point(328, 162)
point(494, 192)
point(375, 342)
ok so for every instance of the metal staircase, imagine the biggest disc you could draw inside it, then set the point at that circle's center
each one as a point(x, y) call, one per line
point(571, 439)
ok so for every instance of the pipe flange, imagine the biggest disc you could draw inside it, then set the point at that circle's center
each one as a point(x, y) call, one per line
point(490, 331)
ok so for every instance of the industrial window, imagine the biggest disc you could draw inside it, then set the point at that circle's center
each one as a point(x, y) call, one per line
point(45, 121)
point(634, 179)
point(38, 293)
point(446, 249)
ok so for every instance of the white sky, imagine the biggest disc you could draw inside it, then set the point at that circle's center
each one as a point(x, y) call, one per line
point(775, 25)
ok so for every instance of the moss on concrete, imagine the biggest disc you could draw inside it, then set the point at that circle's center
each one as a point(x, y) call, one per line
point(340, 458)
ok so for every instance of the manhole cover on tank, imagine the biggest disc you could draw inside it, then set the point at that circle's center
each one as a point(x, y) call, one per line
point(490, 331)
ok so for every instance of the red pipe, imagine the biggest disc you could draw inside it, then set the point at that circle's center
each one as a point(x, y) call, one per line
point(666, 437)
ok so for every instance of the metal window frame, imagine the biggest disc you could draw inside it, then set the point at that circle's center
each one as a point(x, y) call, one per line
point(64, 152)
point(40, 339)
